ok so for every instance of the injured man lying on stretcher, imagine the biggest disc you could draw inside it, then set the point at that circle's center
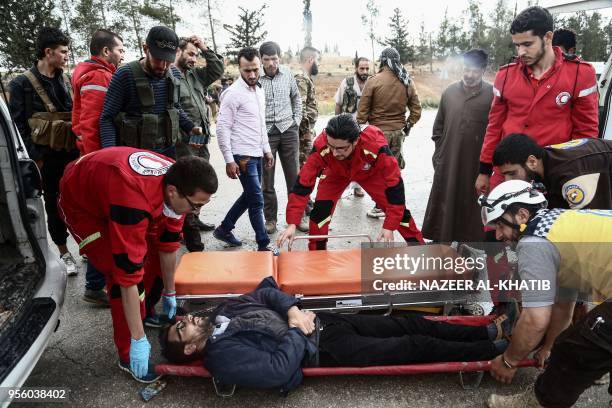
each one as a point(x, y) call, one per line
point(262, 340)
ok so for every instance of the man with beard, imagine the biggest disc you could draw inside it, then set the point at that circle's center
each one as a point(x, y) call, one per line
point(262, 340)
point(142, 107)
point(348, 95)
point(384, 101)
point(569, 251)
point(545, 93)
point(193, 90)
point(283, 116)
point(575, 174)
point(308, 59)
point(452, 212)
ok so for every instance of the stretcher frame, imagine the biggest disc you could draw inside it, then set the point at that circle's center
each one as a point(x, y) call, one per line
point(354, 302)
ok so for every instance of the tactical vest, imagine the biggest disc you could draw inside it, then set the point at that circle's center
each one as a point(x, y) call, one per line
point(150, 131)
point(350, 99)
point(50, 128)
point(583, 239)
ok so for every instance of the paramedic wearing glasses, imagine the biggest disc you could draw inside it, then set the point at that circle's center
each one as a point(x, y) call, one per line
point(343, 153)
point(125, 208)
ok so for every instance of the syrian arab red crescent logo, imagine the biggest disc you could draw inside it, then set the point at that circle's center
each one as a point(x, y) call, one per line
point(148, 164)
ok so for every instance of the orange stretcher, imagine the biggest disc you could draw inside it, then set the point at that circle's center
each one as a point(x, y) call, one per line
point(322, 280)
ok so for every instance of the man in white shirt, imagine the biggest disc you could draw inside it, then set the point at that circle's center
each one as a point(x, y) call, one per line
point(243, 140)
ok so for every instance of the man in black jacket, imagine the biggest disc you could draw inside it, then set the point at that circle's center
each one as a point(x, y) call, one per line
point(52, 57)
point(262, 340)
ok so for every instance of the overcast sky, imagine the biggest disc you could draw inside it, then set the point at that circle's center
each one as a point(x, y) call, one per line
point(334, 21)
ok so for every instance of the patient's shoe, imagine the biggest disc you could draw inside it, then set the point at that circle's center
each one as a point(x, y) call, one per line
point(526, 399)
point(503, 325)
point(150, 377)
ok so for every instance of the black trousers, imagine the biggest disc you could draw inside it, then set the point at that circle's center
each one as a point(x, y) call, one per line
point(367, 340)
point(581, 354)
point(54, 163)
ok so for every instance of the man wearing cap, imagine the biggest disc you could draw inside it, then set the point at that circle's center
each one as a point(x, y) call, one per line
point(383, 103)
point(452, 211)
point(142, 107)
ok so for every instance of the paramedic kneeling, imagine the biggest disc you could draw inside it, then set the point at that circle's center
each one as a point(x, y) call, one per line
point(343, 153)
point(262, 340)
point(125, 208)
point(571, 249)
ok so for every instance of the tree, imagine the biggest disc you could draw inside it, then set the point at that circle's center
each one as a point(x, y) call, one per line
point(131, 9)
point(163, 13)
point(307, 24)
point(442, 41)
point(498, 36)
point(89, 16)
point(248, 31)
point(422, 49)
point(399, 37)
point(21, 21)
point(213, 23)
point(477, 26)
point(369, 21)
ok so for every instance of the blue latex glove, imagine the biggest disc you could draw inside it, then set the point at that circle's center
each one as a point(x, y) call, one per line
point(139, 356)
point(196, 139)
point(169, 303)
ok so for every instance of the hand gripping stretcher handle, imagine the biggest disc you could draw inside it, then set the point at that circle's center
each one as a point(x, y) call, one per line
point(290, 243)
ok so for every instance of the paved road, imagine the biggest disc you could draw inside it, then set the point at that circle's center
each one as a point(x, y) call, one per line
point(81, 355)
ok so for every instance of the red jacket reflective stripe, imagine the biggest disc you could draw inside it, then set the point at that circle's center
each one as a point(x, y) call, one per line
point(369, 159)
point(563, 107)
point(121, 188)
point(89, 82)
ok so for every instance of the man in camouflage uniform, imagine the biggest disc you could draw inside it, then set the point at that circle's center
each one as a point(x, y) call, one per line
point(193, 93)
point(383, 103)
point(308, 59)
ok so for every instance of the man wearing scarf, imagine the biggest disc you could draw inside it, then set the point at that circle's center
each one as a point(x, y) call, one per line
point(383, 103)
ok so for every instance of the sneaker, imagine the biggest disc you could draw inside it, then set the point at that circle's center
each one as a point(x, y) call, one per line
point(304, 224)
point(70, 263)
point(526, 399)
point(204, 226)
point(227, 237)
point(358, 191)
point(376, 213)
point(270, 227)
point(270, 248)
point(150, 377)
point(98, 297)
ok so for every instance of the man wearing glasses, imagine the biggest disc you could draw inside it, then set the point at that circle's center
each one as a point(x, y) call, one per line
point(341, 154)
point(125, 208)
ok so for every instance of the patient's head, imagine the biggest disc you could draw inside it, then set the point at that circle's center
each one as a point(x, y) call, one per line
point(184, 341)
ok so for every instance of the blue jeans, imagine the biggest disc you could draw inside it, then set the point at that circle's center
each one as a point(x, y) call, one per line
point(251, 199)
point(94, 279)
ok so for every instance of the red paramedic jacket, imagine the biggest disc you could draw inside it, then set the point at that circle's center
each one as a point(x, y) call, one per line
point(89, 82)
point(371, 163)
point(564, 106)
point(119, 191)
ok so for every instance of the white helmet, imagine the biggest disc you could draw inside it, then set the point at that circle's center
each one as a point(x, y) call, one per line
point(508, 192)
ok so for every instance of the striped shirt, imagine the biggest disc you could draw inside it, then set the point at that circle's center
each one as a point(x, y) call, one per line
point(283, 101)
point(122, 97)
